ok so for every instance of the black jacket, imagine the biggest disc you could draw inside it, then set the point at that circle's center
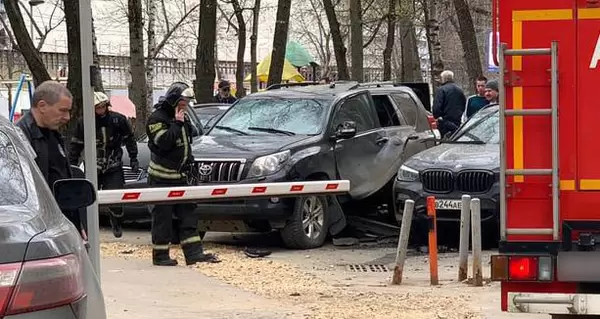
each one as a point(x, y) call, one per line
point(112, 131)
point(449, 103)
point(40, 145)
point(169, 142)
point(225, 100)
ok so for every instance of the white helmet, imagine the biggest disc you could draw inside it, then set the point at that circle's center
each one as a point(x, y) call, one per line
point(100, 97)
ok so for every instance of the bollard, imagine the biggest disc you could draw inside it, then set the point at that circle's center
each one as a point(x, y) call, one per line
point(433, 248)
point(407, 216)
point(463, 250)
point(476, 235)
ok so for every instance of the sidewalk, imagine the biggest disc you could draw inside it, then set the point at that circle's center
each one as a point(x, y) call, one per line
point(134, 289)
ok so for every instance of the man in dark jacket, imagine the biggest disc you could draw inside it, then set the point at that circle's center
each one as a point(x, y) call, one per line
point(449, 104)
point(171, 160)
point(50, 110)
point(112, 131)
point(224, 94)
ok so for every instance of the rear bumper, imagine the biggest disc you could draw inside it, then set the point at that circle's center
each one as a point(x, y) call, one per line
point(554, 303)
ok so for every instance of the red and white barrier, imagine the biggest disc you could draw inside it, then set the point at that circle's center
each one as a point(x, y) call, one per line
point(222, 191)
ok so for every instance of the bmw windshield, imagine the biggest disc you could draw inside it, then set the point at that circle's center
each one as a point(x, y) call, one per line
point(269, 116)
point(483, 127)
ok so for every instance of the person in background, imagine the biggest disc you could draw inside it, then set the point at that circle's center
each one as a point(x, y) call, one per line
point(449, 104)
point(477, 101)
point(50, 110)
point(224, 94)
point(169, 140)
point(491, 92)
point(112, 131)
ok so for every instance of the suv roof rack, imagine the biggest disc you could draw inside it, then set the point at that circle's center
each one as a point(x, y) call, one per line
point(293, 84)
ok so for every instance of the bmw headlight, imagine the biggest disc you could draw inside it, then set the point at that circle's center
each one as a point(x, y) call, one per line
point(407, 174)
point(267, 165)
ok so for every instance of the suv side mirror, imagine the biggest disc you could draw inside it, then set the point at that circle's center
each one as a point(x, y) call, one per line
point(74, 193)
point(346, 130)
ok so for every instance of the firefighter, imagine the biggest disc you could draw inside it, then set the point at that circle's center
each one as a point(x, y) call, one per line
point(169, 140)
point(112, 131)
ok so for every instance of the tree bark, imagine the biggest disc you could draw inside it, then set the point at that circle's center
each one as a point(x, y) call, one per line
point(74, 81)
point(151, 52)
point(205, 52)
point(26, 47)
point(138, 88)
point(241, 50)
point(253, 45)
point(410, 60)
point(432, 29)
point(96, 74)
point(389, 42)
point(468, 39)
point(356, 40)
point(338, 43)
point(280, 37)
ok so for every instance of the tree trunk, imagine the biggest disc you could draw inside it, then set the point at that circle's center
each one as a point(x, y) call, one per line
point(410, 60)
point(151, 52)
point(74, 80)
point(253, 45)
point(96, 73)
point(356, 40)
point(432, 29)
point(389, 43)
point(338, 43)
point(280, 37)
point(468, 39)
point(138, 88)
point(26, 47)
point(205, 51)
point(241, 50)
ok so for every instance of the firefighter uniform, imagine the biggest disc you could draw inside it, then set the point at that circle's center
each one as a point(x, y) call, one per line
point(112, 131)
point(169, 141)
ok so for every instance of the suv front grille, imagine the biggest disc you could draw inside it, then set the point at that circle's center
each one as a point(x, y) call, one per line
point(474, 181)
point(130, 176)
point(471, 181)
point(220, 170)
point(437, 181)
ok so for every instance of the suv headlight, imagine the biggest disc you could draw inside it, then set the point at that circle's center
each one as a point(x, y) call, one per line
point(407, 174)
point(267, 165)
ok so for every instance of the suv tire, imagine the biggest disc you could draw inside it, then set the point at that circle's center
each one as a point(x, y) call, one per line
point(314, 210)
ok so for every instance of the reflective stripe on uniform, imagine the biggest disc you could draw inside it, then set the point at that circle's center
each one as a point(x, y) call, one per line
point(158, 135)
point(159, 171)
point(185, 145)
point(191, 240)
point(76, 140)
point(160, 247)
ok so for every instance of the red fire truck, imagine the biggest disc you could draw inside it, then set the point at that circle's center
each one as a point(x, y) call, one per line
point(549, 62)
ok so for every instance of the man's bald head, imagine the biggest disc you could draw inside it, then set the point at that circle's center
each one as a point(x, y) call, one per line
point(51, 105)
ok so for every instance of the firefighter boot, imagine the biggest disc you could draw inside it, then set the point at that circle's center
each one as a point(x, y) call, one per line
point(115, 222)
point(160, 257)
point(194, 253)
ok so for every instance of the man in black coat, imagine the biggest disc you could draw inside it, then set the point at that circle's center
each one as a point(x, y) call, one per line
point(50, 110)
point(449, 104)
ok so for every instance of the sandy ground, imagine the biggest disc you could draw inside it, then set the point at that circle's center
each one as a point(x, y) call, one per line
point(321, 284)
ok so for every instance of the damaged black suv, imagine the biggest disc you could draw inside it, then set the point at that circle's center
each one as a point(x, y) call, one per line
point(358, 132)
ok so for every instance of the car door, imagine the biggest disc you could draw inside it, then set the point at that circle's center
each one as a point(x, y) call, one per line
point(416, 128)
point(396, 132)
point(355, 156)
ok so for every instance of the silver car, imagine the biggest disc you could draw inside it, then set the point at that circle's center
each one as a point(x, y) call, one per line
point(45, 271)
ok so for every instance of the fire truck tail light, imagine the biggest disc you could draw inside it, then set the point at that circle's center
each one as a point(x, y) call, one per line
point(545, 268)
point(499, 268)
point(522, 268)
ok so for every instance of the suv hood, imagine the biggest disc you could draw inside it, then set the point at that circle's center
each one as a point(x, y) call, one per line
point(457, 157)
point(242, 146)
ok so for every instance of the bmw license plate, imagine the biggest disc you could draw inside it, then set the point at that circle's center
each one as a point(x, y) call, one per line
point(448, 204)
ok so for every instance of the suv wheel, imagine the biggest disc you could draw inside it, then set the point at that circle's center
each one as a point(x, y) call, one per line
point(308, 226)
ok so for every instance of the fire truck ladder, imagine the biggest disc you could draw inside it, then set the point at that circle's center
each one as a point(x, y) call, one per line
point(553, 112)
